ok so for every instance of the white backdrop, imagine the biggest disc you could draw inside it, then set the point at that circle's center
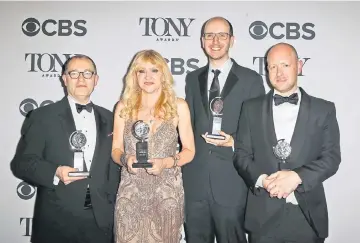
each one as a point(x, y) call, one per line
point(324, 34)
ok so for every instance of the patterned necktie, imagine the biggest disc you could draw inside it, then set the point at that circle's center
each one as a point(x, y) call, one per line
point(215, 86)
point(292, 99)
point(88, 107)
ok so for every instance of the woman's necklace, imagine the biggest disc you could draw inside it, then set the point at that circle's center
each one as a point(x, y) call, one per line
point(150, 116)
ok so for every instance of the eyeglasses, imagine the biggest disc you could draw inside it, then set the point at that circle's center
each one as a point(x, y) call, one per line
point(221, 36)
point(85, 74)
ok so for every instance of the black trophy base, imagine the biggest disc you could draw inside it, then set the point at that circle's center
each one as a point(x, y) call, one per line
point(215, 136)
point(142, 156)
point(142, 165)
point(79, 174)
point(284, 166)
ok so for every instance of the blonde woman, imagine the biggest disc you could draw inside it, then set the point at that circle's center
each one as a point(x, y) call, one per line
point(150, 201)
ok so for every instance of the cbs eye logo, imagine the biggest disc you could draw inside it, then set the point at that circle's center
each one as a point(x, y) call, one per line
point(258, 30)
point(25, 191)
point(29, 104)
point(31, 27)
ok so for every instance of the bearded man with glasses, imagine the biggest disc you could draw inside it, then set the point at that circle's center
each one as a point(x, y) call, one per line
point(65, 150)
point(215, 195)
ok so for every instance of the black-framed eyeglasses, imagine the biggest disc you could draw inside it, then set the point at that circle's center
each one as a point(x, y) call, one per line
point(85, 74)
point(220, 35)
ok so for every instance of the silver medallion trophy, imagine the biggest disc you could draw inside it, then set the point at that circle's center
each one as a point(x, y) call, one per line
point(216, 107)
point(77, 142)
point(141, 131)
point(282, 151)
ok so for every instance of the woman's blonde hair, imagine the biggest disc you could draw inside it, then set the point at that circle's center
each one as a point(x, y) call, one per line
point(165, 107)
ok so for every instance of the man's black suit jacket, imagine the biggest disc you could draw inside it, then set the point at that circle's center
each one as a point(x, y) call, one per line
point(44, 145)
point(315, 157)
point(212, 167)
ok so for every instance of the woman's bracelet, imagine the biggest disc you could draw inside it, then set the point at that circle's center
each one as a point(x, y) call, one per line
point(123, 159)
point(176, 159)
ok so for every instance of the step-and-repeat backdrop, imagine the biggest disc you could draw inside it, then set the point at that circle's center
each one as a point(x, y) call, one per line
point(37, 37)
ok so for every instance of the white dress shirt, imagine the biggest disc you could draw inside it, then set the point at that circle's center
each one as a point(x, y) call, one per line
point(84, 121)
point(285, 116)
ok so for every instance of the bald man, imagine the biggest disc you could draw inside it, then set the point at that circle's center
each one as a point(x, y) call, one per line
point(287, 145)
point(215, 195)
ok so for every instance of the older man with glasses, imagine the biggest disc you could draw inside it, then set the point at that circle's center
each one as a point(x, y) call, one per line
point(215, 195)
point(65, 151)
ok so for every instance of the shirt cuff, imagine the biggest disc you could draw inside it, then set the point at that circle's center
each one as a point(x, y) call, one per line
point(259, 182)
point(56, 180)
point(292, 199)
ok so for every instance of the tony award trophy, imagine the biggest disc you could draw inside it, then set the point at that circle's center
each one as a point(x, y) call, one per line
point(77, 142)
point(216, 107)
point(282, 151)
point(140, 131)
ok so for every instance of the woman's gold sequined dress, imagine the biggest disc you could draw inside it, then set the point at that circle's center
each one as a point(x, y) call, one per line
point(150, 208)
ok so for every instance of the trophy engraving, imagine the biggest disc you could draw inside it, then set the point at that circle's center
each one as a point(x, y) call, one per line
point(141, 131)
point(216, 107)
point(282, 151)
point(77, 141)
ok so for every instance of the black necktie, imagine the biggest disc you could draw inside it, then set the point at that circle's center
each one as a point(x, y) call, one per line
point(292, 99)
point(88, 107)
point(215, 86)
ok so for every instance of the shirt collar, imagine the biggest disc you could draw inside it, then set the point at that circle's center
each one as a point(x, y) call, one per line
point(225, 68)
point(72, 100)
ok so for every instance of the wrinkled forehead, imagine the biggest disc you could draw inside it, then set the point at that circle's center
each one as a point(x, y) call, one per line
point(217, 25)
point(80, 64)
point(281, 54)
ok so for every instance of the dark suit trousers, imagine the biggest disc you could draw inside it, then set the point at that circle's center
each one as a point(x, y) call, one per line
point(290, 227)
point(206, 219)
point(80, 229)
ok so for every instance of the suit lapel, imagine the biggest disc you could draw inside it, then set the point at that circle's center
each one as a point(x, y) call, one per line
point(203, 89)
point(299, 134)
point(68, 126)
point(100, 136)
point(268, 120)
point(229, 83)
